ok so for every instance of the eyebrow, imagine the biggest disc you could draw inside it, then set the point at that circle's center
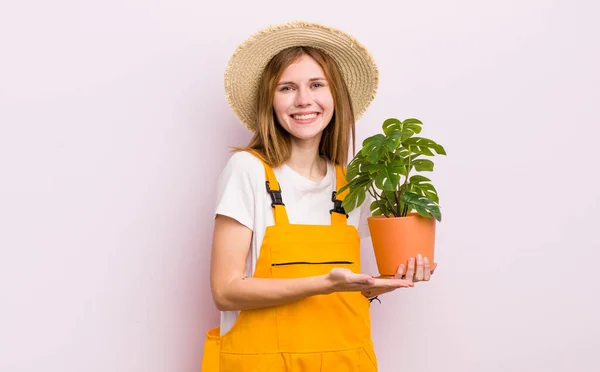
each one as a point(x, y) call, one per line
point(312, 79)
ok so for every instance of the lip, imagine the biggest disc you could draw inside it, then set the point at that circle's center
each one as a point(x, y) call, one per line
point(305, 113)
point(307, 121)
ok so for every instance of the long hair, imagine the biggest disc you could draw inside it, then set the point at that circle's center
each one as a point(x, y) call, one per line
point(272, 141)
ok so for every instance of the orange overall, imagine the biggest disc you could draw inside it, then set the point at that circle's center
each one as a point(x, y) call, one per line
point(319, 333)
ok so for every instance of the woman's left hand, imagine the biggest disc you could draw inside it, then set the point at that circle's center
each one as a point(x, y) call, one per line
point(421, 273)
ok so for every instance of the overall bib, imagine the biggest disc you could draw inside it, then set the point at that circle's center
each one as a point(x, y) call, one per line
point(319, 333)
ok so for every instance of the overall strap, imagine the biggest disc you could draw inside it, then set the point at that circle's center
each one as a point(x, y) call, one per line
point(274, 190)
point(338, 214)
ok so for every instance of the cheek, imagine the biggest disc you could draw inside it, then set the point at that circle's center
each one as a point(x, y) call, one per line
point(280, 105)
point(326, 101)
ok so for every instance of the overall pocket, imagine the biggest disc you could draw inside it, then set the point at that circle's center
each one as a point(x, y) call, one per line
point(212, 351)
point(301, 269)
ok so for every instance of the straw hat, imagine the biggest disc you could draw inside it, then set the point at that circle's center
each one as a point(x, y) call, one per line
point(247, 63)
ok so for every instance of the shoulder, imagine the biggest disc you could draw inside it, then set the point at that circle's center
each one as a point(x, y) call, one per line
point(238, 186)
point(243, 160)
point(242, 171)
point(243, 164)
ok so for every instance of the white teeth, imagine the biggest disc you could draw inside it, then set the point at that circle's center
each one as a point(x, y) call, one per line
point(305, 117)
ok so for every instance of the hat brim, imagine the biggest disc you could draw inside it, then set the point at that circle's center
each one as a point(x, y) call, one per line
point(245, 67)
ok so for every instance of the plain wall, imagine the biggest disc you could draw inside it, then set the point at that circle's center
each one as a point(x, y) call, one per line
point(115, 127)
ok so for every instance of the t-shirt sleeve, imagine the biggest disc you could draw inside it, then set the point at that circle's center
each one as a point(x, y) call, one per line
point(236, 189)
point(365, 213)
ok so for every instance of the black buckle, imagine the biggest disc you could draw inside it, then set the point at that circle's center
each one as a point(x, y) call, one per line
point(337, 205)
point(275, 196)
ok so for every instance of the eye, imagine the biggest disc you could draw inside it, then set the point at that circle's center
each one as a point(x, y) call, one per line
point(285, 88)
point(318, 85)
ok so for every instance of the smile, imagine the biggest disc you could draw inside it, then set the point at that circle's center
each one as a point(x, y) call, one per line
point(305, 116)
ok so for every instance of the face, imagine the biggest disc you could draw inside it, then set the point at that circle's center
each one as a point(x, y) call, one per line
point(303, 102)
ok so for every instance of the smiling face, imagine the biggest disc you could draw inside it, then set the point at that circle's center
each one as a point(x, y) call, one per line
point(303, 102)
point(285, 89)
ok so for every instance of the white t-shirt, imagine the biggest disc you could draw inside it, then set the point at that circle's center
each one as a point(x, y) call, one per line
point(242, 195)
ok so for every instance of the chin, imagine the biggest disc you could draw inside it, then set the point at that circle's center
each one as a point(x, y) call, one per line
point(306, 137)
point(306, 134)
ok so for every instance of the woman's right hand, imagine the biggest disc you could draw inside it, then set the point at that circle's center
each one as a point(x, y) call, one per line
point(344, 280)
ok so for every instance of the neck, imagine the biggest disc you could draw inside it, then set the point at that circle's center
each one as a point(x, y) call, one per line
point(305, 159)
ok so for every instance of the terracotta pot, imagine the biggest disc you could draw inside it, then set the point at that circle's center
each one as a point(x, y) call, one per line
point(397, 239)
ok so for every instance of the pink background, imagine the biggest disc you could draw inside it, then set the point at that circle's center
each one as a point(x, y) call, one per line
point(114, 128)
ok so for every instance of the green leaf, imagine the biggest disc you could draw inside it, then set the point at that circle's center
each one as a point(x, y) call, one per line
point(418, 179)
point(423, 205)
point(354, 199)
point(433, 196)
point(408, 128)
point(421, 145)
point(377, 212)
point(354, 166)
point(387, 177)
point(426, 186)
point(378, 208)
point(360, 182)
point(416, 128)
point(403, 153)
point(440, 150)
point(413, 121)
point(422, 211)
point(422, 150)
point(435, 210)
point(425, 189)
point(406, 134)
point(344, 188)
point(399, 165)
point(423, 165)
point(370, 143)
point(392, 125)
point(376, 147)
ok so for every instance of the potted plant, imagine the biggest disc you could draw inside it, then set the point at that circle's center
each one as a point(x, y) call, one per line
point(405, 207)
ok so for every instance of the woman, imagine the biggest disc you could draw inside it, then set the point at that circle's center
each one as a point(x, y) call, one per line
point(285, 264)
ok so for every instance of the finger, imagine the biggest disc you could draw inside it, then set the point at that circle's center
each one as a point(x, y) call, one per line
point(410, 270)
point(402, 283)
point(385, 287)
point(419, 271)
point(359, 278)
point(400, 272)
point(366, 279)
point(426, 269)
point(391, 284)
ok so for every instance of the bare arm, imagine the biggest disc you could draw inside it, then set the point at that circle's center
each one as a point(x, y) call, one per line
point(231, 242)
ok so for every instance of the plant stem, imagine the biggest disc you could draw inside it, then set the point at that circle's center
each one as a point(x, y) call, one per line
point(373, 193)
point(391, 206)
point(405, 185)
point(386, 199)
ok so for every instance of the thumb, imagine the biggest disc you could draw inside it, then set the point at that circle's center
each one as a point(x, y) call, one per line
point(400, 272)
point(363, 279)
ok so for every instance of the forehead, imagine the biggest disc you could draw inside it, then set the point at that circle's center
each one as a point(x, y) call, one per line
point(303, 68)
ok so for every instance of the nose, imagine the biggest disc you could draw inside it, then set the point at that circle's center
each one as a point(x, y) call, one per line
point(303, 97)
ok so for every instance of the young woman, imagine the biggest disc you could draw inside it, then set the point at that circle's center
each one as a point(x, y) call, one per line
point(285, 263)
